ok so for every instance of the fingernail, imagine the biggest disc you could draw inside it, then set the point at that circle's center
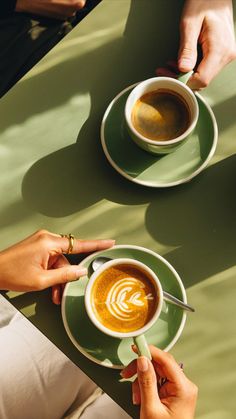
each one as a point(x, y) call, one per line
point(81, 271)
point(185, 62)
point(122, 373)
point(142, 363)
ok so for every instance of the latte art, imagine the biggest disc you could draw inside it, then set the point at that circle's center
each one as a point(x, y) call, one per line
point(124, 298)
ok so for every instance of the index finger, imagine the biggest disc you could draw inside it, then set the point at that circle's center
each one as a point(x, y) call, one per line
point(208, 68)
point(169, 366)
point(85, 246)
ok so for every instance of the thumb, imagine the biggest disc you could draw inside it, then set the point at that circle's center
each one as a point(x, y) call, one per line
point(63, 275)
point(148, 387)
point(189, 33)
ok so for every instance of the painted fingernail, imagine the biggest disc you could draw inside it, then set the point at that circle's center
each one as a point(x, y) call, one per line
point(142, 363)
point(122, 373)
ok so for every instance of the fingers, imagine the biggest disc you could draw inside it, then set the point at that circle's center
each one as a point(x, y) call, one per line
point(136, 395)
point(208, 68)
point(56, 294)
point(130, 370)
point(147, 381)
point(189, 33)
point(61, 275)
point(166, 365)
point(84, 246)
point(54, 243)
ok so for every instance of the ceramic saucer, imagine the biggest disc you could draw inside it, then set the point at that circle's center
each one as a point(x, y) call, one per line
point(112, 352)
point(146, 169)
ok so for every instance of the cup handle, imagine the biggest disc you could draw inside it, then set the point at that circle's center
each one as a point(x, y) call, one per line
point(184, 77)
point(142, 346)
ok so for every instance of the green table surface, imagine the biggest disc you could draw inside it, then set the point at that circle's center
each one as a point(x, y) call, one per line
point(54, 175)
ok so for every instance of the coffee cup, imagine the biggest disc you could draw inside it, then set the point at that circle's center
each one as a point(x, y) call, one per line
point(160, 113)
point(123, 299)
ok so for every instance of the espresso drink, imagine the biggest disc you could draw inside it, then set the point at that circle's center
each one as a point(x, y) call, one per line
point(160, 115)
point(124, 298)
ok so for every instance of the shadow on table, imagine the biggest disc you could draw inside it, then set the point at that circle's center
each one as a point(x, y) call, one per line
point(78, 176)
point(74, 181)
point(105, 70)
point(199, 219)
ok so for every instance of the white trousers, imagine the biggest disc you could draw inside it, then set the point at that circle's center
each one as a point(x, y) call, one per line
point(37, 381)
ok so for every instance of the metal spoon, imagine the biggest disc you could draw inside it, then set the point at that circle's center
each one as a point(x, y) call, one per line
point(96, 263)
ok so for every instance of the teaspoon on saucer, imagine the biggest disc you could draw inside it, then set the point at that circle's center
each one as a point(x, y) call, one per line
point(99, 261)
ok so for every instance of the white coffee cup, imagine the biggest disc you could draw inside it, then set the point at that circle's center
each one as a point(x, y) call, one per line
point(172, 85)
point(138, 334)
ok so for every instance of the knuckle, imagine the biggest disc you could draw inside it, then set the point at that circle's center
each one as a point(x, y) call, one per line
point(187, 50)
point(38, 284)
point(41, 233)
point(43, 236)
point(146, 382)
point(232, 55)
point(194, 390)
point(66, 275)
point(204, 82)
point(81, 3)
point(190, 390)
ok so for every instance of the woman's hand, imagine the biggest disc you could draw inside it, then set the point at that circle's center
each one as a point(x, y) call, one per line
point(208, 23)
point(38, 262)
point(161, 387)
point(57, 9)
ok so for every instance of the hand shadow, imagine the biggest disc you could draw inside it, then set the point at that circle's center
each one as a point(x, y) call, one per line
point(198, 219)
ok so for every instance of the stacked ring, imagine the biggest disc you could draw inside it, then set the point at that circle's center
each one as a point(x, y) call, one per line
point(71, 239)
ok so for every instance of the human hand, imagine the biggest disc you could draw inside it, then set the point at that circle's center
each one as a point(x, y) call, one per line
point(209, 24)
point(38, 262)
point(57, 9)
point(174, 399)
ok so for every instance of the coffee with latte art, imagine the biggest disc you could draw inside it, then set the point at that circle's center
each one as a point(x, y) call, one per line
point(124, 298)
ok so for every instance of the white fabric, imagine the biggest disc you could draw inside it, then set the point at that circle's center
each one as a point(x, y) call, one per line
point(38, 381)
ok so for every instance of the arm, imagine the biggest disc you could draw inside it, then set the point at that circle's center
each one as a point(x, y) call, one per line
point(57, 9)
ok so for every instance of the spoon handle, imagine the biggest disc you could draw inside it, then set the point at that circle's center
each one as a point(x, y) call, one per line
point(171, 299)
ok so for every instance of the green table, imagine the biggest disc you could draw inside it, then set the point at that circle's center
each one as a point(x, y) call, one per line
point(54, 175)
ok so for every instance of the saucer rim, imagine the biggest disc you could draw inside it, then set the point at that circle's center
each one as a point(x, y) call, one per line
point(142, 249)
point(156, 184)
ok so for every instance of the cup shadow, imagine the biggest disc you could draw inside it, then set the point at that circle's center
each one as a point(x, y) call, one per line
point(198, 219)
point(78, 175)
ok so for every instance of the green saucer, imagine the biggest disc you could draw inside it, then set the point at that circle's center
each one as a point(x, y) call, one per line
point(112, 352)
point(172, 169)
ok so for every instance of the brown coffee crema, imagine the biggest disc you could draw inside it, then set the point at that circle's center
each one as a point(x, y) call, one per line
point(124, 298)
point(160, 115)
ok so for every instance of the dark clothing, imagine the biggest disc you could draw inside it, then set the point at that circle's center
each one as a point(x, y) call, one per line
point(7, 7)
point(25, 39)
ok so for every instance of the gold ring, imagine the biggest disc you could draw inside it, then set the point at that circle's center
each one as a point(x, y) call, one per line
point(71, 239)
